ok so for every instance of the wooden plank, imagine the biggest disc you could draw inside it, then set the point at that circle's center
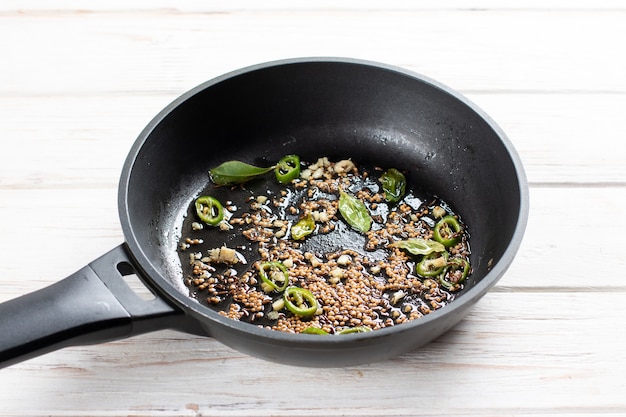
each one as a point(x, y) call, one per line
point(60, 142)
point(190, 6)
point(97, 132)
point(507, 347)
point(49, 234)
point(565, 236)
point(563, 138)
point(501, 50)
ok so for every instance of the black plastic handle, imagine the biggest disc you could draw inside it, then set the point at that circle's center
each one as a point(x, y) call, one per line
point(93, 305)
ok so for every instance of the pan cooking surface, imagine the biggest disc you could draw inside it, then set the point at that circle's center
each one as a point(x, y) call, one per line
point(352, 284)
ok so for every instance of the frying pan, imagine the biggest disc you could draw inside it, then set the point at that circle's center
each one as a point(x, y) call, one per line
point(313, 107)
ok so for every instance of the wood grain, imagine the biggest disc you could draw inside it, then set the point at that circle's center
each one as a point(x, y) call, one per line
point(80, 79)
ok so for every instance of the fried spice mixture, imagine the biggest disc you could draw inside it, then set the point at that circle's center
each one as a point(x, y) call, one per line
point(358, 280)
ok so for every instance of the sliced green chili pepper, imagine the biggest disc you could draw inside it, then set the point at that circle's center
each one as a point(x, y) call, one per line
point(447, 231)
point(354, 212)
point(432, 264)
point(236, 172)
point(458, 269)
point(314, 330)
point(358, 329)
point(419, 246)
point(209, 210)
point(300, 302)
point(394, 185)
point(304, 227)
point(274, 274)
point(287, 169)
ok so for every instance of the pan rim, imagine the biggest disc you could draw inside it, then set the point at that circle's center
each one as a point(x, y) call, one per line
point(155, 277)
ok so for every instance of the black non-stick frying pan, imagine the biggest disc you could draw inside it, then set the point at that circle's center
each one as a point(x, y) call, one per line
point(339, 108)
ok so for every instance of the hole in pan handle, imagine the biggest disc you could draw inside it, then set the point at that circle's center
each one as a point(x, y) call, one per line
point(93, 305)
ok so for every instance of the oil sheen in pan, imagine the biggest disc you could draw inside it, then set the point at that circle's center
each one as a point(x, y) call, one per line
point(236, 200)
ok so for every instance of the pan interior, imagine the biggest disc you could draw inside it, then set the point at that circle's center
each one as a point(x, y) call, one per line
point(373, 115)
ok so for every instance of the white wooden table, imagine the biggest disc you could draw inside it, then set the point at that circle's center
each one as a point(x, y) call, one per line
point(80, 79)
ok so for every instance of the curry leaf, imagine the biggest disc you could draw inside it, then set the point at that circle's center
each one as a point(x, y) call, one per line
point(419, 246)
point(354, 212)
point(236, 172)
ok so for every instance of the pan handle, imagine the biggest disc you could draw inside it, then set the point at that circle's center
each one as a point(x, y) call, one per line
point(93, 305)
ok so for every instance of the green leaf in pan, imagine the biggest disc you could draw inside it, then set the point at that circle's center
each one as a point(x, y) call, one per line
point(354, 212)
point(236, 172)
point(419, 246)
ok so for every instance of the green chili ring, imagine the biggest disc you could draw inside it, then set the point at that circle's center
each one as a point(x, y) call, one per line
point(455, 264)
point(209, 210)
point(267, 271)
point(314, 330)
point(394, 185)
point(300, 302)
point(304, 227)
point(447, 231)
point(425, 266)
point(358, 329)
point(287, 169)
